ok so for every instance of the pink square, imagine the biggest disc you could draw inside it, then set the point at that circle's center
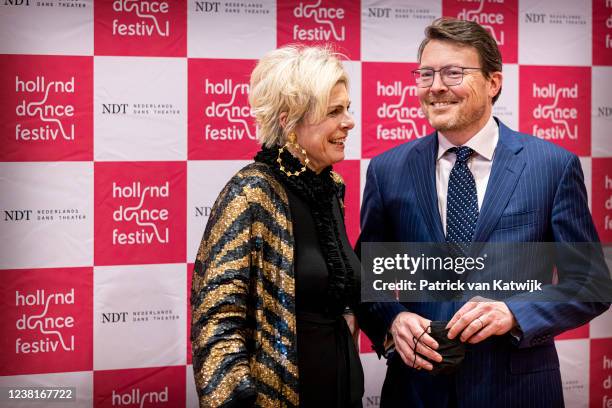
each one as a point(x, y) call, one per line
point(602, 197)
point(140, 212)
point(392, 112)
point(140, 387)
point(324, 22)
point(140, 28)
point(46, 321)
point(600, 391)
point(556, 105)
point(602, 32)
point(499, 18)
point(220, 122)
point(46, 108)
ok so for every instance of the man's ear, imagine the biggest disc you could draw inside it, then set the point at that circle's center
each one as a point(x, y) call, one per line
point(495, 81)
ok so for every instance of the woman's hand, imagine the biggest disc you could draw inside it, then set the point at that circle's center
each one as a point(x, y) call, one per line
point(351, 322)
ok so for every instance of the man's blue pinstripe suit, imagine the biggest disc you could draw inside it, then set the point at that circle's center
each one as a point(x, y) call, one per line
point(535, 193)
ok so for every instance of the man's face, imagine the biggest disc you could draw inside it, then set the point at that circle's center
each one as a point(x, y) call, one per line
point(458, 111)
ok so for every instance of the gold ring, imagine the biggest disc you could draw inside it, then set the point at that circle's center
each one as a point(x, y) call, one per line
point(481, 323)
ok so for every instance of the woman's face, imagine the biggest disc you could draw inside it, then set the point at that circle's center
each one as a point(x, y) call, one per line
point(324, 141)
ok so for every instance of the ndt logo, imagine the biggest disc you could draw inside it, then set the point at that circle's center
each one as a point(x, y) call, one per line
point(499, 17)
point(39, 118)
point(391, 110)
point(405, 126)
point(151, 18)
point(320, 22)
point(145, 220)
point(556, 105)
point(224, 104)
point(36, 320)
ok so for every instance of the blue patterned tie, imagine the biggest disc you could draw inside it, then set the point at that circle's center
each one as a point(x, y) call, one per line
point(462, 201)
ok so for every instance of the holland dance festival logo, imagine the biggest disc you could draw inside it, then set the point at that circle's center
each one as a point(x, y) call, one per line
point(556, 105)
point(47, 329)
point(31, 107)
point(405, 128)
point(487, 20)
point(558, 117)
point(237, 114)
point(145, 218)
point(147, 12)
point(498, 17)
point(325, 17)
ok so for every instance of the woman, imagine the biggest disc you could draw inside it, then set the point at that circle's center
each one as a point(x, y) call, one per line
point(275, 276)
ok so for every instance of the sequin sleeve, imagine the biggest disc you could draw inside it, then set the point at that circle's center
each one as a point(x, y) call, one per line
point(219, 298)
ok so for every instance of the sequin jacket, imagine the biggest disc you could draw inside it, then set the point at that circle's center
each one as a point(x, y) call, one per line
point(243, 296)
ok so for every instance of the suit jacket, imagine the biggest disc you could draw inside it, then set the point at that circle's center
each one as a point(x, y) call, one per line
point(535, 193)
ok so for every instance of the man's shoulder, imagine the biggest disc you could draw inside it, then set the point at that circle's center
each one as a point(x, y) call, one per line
point(399, 154)
point(534, 147)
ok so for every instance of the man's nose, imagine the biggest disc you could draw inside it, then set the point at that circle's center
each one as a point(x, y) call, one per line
point(438, 85)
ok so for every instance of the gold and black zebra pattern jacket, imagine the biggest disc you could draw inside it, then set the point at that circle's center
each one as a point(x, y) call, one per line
point(243, 330)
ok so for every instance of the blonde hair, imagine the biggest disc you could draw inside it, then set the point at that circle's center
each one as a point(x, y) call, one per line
point(295, 80)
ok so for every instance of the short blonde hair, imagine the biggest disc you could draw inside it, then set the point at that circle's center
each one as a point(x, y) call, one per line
point(296, 80)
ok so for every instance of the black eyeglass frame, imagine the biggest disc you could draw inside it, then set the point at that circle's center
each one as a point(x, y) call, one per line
point(439, 71)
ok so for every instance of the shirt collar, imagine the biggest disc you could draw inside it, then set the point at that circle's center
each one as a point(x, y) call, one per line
point(483, 142)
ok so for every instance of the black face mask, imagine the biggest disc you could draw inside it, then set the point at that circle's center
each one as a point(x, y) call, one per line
point(451, 350)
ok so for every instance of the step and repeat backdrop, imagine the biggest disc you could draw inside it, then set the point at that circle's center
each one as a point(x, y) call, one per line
point(122, 120)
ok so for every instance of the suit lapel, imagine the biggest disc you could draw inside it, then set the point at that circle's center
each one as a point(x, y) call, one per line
point(505, 172)
point(423, 171)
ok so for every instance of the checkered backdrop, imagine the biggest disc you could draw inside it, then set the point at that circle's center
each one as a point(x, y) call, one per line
point(121, 121)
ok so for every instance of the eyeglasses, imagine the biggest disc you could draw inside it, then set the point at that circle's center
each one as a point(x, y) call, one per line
point(451, 76)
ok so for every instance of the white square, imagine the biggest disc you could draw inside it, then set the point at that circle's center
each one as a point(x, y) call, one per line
point(555, 33)
point(31, 27)
point(47, 213)
point(205, 180)
point(601, 326)
point(140, 109)
point(353, 144)
point(192, 394)
point(587, 169)
point(601, 117)
point(392, 30)
point(140, 316)
point(506, 108)
point(364, 172)
point(222, 29)
point(81, 380)
point(374, 372)
point(574, 365)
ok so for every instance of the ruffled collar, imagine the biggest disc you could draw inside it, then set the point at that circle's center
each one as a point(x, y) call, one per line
point(319, 191)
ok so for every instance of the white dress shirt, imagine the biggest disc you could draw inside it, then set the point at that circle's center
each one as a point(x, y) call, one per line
point(483, 143)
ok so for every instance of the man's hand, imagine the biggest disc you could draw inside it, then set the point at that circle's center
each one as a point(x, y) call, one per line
point(406, 329)
point(479, 319)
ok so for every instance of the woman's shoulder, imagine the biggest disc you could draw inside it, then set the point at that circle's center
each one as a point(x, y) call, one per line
point(256, 179)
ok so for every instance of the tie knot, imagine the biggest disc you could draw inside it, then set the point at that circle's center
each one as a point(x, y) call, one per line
point(463, 153)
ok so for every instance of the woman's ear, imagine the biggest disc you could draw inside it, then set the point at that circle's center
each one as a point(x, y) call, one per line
point(282, 119)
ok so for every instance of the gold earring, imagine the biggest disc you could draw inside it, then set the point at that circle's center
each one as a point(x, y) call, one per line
point(292, 141)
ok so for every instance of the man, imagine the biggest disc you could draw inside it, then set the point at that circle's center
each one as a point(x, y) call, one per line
point(473, 180)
